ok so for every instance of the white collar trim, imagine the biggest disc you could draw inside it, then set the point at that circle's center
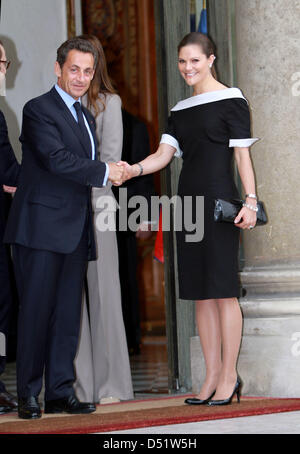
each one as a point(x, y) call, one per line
point(208, 97)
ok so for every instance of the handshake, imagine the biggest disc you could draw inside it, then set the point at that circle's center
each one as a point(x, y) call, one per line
point(119, 172)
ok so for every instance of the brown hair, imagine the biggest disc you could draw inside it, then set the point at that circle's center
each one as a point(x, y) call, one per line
point(75, 44)
point(101, 82)
point(206, 44)
point(1, 45)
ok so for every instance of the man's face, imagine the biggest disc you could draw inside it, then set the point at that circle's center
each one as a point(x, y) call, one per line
point(76, 74)
point(2, 72)
point(3, 57)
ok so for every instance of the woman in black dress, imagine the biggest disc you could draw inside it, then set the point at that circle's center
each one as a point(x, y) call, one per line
point(207, 130)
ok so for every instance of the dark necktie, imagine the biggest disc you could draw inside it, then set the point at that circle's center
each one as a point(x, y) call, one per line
point(83, 129)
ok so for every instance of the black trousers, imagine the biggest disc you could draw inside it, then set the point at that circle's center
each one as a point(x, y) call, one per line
point(5, 301)
point(50, 293)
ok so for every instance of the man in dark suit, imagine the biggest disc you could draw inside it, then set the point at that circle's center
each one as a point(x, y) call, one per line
point(9, 171)
point(51, 229)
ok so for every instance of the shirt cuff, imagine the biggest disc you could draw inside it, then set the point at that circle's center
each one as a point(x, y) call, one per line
point(106, 175)
point(242, 142)
point(170, 140)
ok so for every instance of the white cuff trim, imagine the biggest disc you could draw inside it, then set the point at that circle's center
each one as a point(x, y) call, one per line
point(242, 142)
point(170, 140)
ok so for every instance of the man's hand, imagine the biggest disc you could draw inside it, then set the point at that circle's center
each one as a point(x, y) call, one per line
point(127, 170)
point(9, 189)
point(116, 171)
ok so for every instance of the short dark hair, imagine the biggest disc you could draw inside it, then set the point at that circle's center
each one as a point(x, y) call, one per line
point(75, 44)
point(1, 44)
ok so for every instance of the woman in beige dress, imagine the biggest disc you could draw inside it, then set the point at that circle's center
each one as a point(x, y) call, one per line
point(102, 363)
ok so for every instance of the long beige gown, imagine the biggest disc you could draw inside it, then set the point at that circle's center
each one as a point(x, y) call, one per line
point(102, 362)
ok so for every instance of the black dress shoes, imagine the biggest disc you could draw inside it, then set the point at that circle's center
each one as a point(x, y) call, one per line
point(29, 408)
point(69, 404)
point(4, 409)
point(195, 401)
point(8, 403)
point(236, 390)
point(8, 400)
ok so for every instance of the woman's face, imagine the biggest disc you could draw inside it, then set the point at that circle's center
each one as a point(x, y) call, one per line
point(194, 66)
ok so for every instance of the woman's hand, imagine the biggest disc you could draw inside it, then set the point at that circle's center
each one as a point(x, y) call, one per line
point(128, 172)
point(153, 163)
point(246, 219)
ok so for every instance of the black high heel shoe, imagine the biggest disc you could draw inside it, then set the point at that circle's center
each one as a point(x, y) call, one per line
point(195, 401)
point(236, 390)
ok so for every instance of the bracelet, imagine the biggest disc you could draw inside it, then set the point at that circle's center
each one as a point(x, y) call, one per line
point(251, 207)
point(251, 196)
point(141, 169)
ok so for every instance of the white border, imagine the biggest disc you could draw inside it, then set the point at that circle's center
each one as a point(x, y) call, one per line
point(205, 98)
point(170, 140)
point(211, 96)
point(242, 143)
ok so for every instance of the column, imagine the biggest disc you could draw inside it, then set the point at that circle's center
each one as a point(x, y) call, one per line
point(267, 41)
point(266, 46)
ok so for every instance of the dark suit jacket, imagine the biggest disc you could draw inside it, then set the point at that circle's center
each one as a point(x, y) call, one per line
point(53, 198)
point(9, 169)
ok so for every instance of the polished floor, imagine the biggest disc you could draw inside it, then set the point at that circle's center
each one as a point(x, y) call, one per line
point(150, 380)
point(149, 369)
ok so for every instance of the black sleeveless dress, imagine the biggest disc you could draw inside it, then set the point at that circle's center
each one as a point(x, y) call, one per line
point(204, 129)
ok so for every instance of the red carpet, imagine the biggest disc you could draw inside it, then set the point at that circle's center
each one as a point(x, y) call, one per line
point(146, 413)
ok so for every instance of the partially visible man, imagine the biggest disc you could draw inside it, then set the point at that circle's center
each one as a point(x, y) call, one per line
point(51, 229)
point(9, 171)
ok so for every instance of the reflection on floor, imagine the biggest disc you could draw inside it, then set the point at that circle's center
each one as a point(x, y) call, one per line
point(9, 378)
point(149, 370)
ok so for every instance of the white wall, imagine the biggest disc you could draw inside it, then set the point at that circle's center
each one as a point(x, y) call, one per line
point(31, 31)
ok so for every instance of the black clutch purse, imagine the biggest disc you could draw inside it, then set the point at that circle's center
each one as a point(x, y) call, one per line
point(227, 211)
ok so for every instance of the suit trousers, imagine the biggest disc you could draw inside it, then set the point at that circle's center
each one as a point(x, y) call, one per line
point(50, 289)
point(5, 302)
